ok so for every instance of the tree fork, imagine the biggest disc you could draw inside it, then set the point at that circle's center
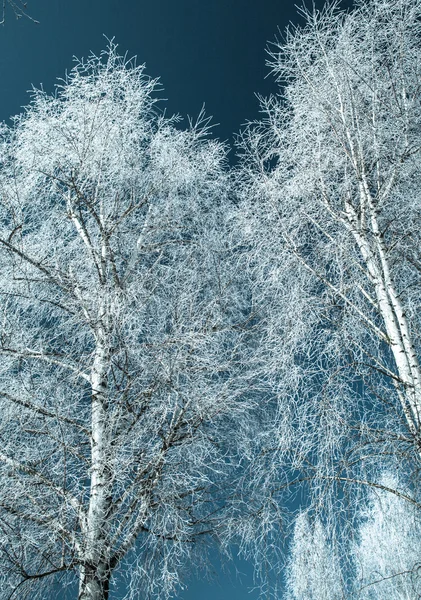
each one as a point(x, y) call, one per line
point(94, 582)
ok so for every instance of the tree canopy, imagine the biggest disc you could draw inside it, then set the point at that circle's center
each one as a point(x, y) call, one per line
point(121, 430)
point(331, 224)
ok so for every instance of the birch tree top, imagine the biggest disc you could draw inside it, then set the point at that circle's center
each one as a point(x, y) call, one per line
point(331, 213)
point(333, 210)
point(117, 338)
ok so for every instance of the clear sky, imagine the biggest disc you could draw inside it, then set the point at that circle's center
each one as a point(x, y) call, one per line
point(204, 51)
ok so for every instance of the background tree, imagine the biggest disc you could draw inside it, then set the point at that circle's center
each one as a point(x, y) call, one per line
point(386, 552)
point(121, 429)
point(314, 571)
point(381, 560)
point(331, 222)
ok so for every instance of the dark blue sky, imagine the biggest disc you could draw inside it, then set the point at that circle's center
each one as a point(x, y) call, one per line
point(209, 52)
point(204, 51)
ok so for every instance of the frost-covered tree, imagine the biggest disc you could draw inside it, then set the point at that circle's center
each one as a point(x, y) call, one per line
point(331, 222)
point(330, 214)
point(387, 551)
point(313, 570)
point(380, 561)
point(121, 427)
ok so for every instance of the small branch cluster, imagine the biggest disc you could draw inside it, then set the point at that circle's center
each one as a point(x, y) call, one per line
point(19, 9)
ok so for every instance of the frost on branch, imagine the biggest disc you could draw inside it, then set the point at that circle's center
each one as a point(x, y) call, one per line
point(386, 554)
point(330, 214)
point(122, 430)
point(313, 571)
point(19, 9)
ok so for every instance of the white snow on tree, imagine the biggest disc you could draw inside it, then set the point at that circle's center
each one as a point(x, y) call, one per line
point(330, 214)
point(387, 552)
point(121, 432)
point(313, 571)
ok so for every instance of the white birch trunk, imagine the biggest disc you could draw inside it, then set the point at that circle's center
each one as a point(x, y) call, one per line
point(95, 573)
point(391, 310)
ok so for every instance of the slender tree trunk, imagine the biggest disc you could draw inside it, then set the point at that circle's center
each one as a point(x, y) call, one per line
point(392, 313)
point(95, 572)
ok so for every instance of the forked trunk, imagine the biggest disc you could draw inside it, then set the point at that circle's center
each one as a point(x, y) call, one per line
point(94, 582)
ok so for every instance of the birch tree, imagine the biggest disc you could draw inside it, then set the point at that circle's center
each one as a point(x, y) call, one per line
point(121, 431)
point(330, 215)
